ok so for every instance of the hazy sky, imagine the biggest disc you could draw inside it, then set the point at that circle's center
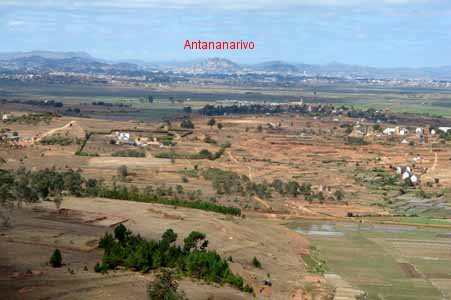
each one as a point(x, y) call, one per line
point(389, 33)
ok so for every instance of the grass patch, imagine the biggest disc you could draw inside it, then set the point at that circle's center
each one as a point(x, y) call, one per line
point(129, 153)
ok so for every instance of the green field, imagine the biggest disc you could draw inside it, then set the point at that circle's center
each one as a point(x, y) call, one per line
point(423, 101)
point(386, 261)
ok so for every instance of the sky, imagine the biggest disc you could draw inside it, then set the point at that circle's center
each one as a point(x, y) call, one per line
point(380, 33)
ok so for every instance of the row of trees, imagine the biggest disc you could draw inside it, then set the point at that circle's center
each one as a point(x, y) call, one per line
point(304, 109)
point(59, 140)
point(129, 153)
point(192, 258)
point(229, 183)
point(25, 186)
point(151, 196)
point(202, 154)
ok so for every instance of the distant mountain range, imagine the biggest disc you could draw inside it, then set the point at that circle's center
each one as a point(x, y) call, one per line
point(80, 62)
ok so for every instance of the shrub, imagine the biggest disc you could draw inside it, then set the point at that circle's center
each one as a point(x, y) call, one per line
point(129, 153)
point(164, 287)
point(339, 194)
point(122, 171)
point(256, 263)
point(187, 123)
point(56, 259)
point(57, 140)
point(101, 268)
point(211, 122)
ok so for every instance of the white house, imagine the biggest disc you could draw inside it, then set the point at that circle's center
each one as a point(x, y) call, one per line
point(6, 117)
point(389, 131)
point(405, 175)
point(123, 137)
point(444, 129)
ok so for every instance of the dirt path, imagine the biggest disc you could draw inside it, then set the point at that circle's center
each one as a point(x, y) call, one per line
point(431, 170)
point(250, 172)
point(343, 289)
point(263, 202)
point(232, 157)
point(55, 130)
point(434, 165)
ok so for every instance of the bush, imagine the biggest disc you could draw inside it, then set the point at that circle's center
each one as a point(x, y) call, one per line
point(122, 171)
point(339, 194)
point(211, 122)
point(187, 123)
point(164, 288)
point(57, 140)
point(56, 259)
point(129, 153)
point(83, 153)
point(101, 268)
point(256, 263)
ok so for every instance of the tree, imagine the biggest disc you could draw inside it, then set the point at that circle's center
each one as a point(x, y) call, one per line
point(211, 122)
point(122, 171)
point(339, 194)
point(377, 127)
point(150, 99)
point(292, 188)
point(193, 240)
point(169, 236)
point(58, 200)
point(187, 123)
point(164, 287)
point(56, 259)
point(220, 126)
point(121, 233)
point(256, 263)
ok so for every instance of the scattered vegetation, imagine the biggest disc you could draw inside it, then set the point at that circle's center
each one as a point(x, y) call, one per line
point(31, 186)
point(31, 118)
point(378, 178)
point(165, 287)
point(202, 154)
point(151, 196)
point(58, 140)
point(129, 153)
point(84, 153)
point(313, 261)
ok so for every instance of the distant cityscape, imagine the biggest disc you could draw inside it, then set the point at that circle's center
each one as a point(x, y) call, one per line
point(67, 67)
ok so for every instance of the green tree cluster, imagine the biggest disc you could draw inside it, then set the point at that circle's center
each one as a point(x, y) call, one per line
point(192, 259)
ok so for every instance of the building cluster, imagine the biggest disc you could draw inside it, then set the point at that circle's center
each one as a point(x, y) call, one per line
point(124, 138)
point(407, 175)
point(406, 135)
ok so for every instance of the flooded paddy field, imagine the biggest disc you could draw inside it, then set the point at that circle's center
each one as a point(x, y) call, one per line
point(386, 261)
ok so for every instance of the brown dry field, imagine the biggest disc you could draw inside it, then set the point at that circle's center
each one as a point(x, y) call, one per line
point(278, 248)
point(303, 149)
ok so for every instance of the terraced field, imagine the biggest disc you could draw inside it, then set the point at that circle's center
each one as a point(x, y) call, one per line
point(386, 261)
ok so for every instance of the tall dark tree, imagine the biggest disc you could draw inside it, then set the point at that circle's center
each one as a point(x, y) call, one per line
point(211, 122)
point(56, 259)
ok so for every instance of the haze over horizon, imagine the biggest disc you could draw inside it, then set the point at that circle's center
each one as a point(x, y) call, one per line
point(390, 33)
